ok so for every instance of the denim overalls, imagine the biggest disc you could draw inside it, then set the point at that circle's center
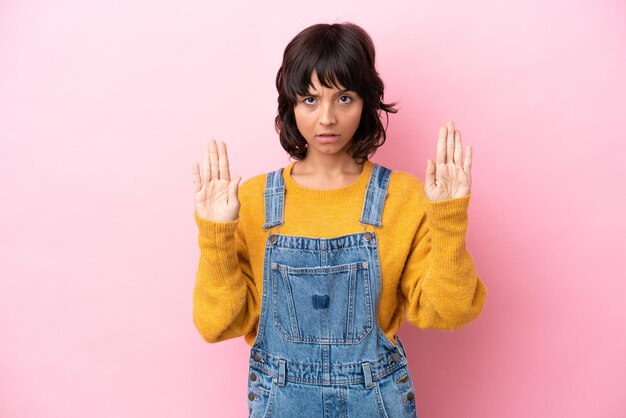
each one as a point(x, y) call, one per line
point(319, 351)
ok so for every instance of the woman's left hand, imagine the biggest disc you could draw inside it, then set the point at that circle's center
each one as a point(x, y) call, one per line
point(450, 176)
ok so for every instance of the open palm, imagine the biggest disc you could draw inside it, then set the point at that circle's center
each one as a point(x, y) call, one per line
point(215, 194)
point(449, 176)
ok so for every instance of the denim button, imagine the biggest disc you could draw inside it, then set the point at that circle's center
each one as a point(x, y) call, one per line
point(394, 357)
point(252, 377)
point(258, 358)
point(251, 396)
point(365, 264)
point(273, 238)
point(410, 396)
point(367, 236)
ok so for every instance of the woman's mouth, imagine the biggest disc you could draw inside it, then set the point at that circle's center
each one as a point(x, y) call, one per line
point(326, 138)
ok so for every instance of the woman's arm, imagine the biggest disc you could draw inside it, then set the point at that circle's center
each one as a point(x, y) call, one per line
point(225, 295)
point(439, 282)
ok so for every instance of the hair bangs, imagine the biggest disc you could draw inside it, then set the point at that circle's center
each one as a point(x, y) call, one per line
point(334, 69)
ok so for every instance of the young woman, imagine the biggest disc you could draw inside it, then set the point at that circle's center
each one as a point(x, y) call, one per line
point(317, 264)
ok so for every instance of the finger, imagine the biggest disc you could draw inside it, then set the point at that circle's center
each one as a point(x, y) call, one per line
point(450, 143)
point(206, 170)
point(458, 148)
point(441, 146)
point(214, 160)
point(197, 180)
point(467, 165)
point(429, 178)
point(223, 157)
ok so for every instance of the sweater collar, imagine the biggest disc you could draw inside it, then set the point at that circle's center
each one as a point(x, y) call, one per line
point(301, 192)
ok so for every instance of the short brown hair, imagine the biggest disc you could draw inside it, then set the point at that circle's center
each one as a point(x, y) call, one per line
point(339, 53)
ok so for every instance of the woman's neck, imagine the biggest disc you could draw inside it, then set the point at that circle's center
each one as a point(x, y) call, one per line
point(327, 172)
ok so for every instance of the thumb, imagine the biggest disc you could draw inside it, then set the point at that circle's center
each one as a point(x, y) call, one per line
point(429, 178)
point(233, 187)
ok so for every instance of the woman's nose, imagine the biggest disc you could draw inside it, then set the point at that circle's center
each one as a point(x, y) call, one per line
point(327, 116)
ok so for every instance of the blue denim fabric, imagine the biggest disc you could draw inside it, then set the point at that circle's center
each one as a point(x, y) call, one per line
point(319, 350)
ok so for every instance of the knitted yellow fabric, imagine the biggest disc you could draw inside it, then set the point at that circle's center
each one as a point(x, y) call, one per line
point(427, 273)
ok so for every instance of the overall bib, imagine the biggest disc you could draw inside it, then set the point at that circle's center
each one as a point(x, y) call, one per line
point(319, 350)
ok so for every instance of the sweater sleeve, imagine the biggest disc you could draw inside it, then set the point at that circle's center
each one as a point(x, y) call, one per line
point(439, 282)
point(224, 295)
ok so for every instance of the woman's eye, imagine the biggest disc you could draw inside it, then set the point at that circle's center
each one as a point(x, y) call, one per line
point(348, 99)
point(308, 98)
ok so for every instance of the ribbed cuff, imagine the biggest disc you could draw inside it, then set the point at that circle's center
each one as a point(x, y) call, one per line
point(218, 253)
point(215, 229)
point(448, 215)
point(447, 221)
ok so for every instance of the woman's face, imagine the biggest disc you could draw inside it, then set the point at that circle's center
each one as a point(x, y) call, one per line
point(328, 118)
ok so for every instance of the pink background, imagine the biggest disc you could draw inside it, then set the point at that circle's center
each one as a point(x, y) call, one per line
point(105, 105)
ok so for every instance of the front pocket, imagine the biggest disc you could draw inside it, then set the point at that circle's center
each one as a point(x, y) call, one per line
point(398, 394)
point(325, 305)
point(260, 393)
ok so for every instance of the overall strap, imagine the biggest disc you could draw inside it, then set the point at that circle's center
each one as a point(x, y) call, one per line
point(274, 199)
point(372, 206)
point(375, 195)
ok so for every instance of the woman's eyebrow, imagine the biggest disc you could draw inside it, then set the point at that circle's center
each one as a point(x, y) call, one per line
point(336, 94)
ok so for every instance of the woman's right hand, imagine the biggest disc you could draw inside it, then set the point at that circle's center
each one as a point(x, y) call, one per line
point(215, 194)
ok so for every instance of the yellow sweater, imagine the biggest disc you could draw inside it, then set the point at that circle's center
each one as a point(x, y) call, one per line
point(427, 273)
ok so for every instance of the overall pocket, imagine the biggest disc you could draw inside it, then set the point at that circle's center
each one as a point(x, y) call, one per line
point(398, 394)
point(324, 305)
point(260, 393)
